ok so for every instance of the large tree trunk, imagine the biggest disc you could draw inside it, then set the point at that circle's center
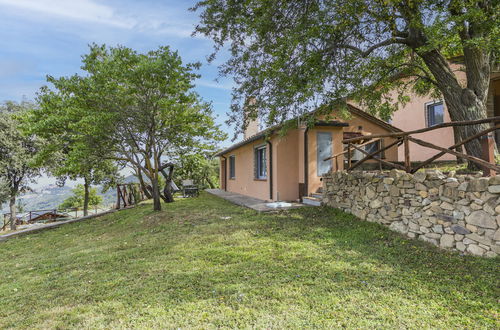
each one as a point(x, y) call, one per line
point(167, 190)
point(468, 110)
point(13, 218)
point(156, 194)
point(463, 103)
point(86, 195)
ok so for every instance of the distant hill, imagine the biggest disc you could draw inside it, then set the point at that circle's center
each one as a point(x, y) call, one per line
point(49, 197)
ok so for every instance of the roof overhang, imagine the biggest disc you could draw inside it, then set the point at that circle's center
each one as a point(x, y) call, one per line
point(267, 132)
point(321, 123)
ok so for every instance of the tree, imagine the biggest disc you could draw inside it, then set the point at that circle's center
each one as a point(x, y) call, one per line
point(199, 167)
point(17, 151)
point(140, 109)
point(73, 149)
point(81, 195)
point(293, 56)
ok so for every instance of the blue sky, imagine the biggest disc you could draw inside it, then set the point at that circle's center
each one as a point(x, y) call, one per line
point(41, 37)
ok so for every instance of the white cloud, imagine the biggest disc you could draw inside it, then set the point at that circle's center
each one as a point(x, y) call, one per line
point(80, 10)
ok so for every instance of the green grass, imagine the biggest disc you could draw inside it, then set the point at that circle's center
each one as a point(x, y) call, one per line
point(190, 267)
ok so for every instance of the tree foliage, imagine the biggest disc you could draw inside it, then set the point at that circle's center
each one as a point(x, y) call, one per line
point(72, 149)
point(78, 198)
point(199, 167)
point(17, 152)
point(292, 57)
point(137, 109)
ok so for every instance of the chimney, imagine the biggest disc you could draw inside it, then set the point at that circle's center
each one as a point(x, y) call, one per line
point(252, 123)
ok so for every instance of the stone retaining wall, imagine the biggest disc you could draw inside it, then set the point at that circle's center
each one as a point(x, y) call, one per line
point(459, 212)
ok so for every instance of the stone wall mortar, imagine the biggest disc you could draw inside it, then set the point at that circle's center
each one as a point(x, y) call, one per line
point(458, 212)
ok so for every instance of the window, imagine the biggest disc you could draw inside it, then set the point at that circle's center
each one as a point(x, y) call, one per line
point(374, 146)
point(260, 163)
point(232, 167)
point(434, 113)
point(324, 150)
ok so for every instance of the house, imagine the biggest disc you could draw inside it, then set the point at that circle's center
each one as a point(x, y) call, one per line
point(424, 111)
point(269, 166)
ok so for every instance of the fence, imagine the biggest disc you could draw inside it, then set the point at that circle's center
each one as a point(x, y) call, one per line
point(404, 138)
point(38, 215)
point(128, 194)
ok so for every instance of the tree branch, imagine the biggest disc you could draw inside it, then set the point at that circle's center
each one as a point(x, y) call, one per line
point(369, 50)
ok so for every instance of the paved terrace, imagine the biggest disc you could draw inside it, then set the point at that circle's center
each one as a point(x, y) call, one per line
point(247, 201)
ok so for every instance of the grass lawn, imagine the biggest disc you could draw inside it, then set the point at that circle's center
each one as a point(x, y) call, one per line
point(191, 266)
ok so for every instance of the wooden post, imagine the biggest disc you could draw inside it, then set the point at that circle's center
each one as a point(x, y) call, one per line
point(118, 197)
point(407, 153)
point(488, 152)
point(348, 156)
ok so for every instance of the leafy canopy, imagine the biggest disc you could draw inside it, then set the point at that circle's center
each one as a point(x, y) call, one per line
point(78, 197)
point(292, 57)
point(73, 148)
point(17, 150)
point(137, 109)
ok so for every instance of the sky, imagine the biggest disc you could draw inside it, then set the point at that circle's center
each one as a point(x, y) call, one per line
point(48, 37)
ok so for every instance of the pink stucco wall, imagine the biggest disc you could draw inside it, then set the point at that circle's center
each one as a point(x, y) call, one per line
point(413, 117)
point(288, 161)
point(244, 182)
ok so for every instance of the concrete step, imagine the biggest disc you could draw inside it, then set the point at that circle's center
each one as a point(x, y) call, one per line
point(313, 201)
point(317, 195)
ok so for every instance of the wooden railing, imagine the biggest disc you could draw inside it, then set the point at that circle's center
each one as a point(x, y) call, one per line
point(32, 215)
point(404, 138)
point(128, 194)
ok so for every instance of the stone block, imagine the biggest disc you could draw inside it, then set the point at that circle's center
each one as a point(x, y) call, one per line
point(460, 246)
point(475, 250)
point(482, 219)
point(394, 191)
point(494, 180)
point(479, 184)
point(437, 229)
point(460, 230)
point(433, 235)
point(420, 176)
point(399, 227)
point(447, 241)
point(495, 189)
point(479, 239)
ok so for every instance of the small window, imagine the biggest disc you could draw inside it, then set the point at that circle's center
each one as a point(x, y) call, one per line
point(374, 146)
point(324, 150)
point(434, 113)
point(260, 163)
point(232, 167)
